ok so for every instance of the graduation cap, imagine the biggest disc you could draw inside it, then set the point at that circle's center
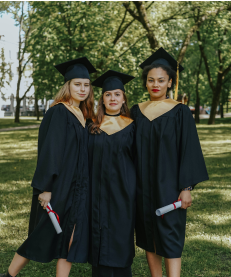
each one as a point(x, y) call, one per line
point(163, 57)
point(78, 68)
point(112, 80)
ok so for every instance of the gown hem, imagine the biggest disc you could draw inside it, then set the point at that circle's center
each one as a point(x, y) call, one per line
point(50, 260)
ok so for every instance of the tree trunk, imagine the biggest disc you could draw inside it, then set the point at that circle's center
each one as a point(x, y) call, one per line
point(197, 105)
point(189, 95)
point(215, 100)
point(18, 100)
point(141, 16)
point(36, 107)
point(222, 110)
point(17, 110)
point(197, 109)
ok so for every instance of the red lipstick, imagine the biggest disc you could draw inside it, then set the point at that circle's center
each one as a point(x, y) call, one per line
point(155, 90)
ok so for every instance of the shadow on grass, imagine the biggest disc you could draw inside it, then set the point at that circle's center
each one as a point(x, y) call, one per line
point(17, 170)
point(205, 258)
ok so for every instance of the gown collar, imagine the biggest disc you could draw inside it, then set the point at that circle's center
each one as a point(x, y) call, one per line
point(113, 124)
point(154, 109)
point(76, 111)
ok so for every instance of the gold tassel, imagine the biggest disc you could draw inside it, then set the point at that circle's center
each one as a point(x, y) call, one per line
point(177, 82)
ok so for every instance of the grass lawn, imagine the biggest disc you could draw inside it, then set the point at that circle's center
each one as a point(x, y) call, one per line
point(207, 249)
point(25, 121)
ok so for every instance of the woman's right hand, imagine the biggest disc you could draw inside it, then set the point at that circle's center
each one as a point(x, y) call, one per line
point(44, 198)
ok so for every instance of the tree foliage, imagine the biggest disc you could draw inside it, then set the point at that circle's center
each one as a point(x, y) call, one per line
point(120, 35)
point(5, 72)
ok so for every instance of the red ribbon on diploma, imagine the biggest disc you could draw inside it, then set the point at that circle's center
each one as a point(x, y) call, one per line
point(173, 205)
point(51, 211)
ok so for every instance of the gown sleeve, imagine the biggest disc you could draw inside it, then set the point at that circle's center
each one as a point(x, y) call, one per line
point(51, 146)
point(192, 169)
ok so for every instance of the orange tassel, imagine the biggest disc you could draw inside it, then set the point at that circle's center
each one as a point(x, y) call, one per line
point(177, 82)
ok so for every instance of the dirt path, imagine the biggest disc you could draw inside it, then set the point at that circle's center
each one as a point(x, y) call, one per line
point(19, 128)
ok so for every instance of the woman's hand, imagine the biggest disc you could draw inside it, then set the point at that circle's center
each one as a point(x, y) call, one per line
point(44, 198)
point(186, 199)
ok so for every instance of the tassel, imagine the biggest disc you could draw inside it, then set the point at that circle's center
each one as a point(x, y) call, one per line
point(177, 82)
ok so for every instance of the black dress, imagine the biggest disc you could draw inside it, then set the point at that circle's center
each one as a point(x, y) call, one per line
point(62, 168)
point(169, 158)
point(113, 192)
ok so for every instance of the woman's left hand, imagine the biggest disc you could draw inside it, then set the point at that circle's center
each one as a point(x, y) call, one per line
point(186, 199)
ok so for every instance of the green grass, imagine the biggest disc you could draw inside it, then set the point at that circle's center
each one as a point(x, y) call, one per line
point(9, 122)
point(207, 250)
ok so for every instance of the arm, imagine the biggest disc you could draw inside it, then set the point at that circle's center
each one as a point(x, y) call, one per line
point(192, 168)
point(51, 147)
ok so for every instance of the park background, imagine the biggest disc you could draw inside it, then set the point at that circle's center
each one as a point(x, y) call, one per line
point(120, 35)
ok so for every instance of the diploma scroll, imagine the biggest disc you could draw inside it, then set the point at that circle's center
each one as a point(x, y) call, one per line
point(54, 219)
point(168, 208)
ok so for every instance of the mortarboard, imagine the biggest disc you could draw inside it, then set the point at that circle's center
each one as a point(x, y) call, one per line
point(112, 80)
point(161, 57)
point(78, 68)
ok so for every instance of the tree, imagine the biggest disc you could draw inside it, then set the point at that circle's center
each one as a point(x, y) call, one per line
point(5, 72)
point(22, 18)
point(197, 105)
point(218, 63)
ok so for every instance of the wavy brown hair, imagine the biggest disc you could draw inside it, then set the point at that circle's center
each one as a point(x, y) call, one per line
point(86, 106)
point(94, 127)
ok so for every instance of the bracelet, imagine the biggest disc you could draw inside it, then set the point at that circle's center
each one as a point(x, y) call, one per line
point(188, 188)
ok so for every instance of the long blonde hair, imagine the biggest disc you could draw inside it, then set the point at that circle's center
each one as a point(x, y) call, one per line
point(86, 106)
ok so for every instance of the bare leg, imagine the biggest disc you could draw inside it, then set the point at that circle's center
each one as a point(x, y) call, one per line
point(173, 267)
point(155, 264)
point(17, 264)
point(63, 267)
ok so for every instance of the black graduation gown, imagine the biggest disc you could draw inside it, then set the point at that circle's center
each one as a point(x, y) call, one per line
point(113, 191)
point(62, 168)
point(169, 158)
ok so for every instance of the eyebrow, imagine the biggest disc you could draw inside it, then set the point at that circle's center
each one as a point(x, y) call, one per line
point(157, 78)
point(77, 82)
point(113, 92)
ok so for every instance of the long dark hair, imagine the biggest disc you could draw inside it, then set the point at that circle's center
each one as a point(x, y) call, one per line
point(86, 106)
point(95, 126)
point(170, 72)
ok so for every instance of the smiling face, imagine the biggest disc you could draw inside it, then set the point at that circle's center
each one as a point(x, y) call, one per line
point(157, 84)
point(79, 89)
point(113, 101)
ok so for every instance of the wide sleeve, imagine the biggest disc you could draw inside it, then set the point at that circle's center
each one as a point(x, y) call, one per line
point(192, 169)
point(51, 146)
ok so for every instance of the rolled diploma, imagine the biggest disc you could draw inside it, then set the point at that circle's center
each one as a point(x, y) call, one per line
point(54, 220)
point(168, 208)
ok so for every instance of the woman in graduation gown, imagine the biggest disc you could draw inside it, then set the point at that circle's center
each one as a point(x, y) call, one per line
point(61, 177)
point(169, 164)
point(112, 179)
